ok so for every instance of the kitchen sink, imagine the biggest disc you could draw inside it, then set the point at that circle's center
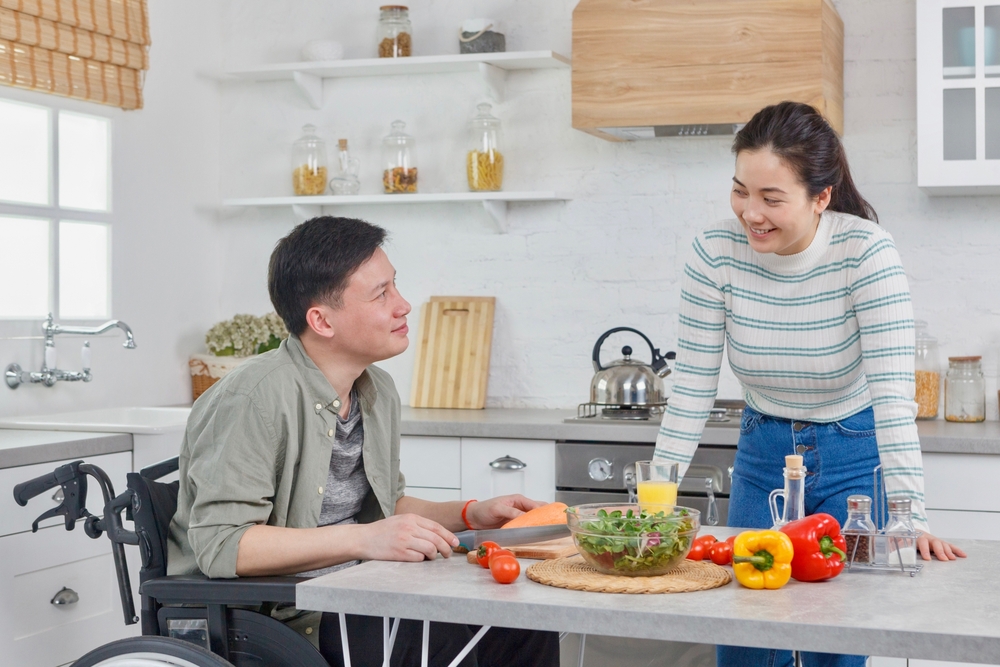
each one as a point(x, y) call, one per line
point(106, 420)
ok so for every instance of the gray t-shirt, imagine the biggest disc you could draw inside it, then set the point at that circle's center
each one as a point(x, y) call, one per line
point(346, 482)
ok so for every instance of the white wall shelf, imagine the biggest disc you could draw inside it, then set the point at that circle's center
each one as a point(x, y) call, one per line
point(310, 76)
point(495, 203)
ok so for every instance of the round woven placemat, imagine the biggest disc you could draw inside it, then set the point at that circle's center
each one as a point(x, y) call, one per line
point(575, 574)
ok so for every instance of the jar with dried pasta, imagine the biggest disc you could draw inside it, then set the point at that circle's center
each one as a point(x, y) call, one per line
point(927, 368)
point(399, 173)
point(395, 32)
point(484, 161)
point(309, 163)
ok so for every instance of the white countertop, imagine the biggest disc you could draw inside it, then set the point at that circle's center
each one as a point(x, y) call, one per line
point(28, 447)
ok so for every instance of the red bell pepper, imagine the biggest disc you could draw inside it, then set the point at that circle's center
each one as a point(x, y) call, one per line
point(819, 547)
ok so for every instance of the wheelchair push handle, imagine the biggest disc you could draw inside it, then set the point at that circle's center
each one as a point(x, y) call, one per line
point(25, 491)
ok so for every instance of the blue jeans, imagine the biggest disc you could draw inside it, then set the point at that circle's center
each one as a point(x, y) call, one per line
point(839, 457)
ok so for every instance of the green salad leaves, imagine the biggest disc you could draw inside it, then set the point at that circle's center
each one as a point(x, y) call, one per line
point(635, 542)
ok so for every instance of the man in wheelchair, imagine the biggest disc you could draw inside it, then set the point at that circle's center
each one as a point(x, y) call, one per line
point(290, 464)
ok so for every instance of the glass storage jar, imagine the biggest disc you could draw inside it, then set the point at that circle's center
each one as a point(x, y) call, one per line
point(859, 530)
point(309, 163)
point(965, 390)
point(345, 179)
point(484, 162)
point(395, 33)
point(400, 171)
point(928, 373)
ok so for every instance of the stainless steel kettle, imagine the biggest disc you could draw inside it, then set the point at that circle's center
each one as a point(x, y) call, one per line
point(627, 382)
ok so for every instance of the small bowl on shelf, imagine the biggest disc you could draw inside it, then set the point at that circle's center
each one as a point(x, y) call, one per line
point(633, 541)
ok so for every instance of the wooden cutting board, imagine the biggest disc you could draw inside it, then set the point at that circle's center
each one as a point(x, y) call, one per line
point(452, 362)
point(559, 548)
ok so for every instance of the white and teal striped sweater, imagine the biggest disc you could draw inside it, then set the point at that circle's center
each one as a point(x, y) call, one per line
point(816, 336)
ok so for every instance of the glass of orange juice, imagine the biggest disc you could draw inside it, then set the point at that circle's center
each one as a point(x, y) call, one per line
point(656, 483)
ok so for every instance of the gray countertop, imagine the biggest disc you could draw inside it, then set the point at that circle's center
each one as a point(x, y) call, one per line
point(21, 448)
point(936, 436)
point(948, 611)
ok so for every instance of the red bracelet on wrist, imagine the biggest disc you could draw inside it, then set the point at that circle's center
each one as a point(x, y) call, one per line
point(465, 519)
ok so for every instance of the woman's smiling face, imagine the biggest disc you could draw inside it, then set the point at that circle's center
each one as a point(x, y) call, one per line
point(773, 206)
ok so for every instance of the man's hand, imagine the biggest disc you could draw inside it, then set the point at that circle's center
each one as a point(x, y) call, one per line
point(495, 512)
point(406, 537)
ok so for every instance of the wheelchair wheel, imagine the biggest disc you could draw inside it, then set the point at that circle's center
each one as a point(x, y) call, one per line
point(151, 652)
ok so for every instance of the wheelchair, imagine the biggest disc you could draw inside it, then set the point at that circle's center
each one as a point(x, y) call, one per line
point(186, 621)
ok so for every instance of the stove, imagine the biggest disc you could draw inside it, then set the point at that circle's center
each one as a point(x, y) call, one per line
point(724, 412)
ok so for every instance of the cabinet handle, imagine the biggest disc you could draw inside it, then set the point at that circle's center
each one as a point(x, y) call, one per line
point(508, 463)
point(66, 596)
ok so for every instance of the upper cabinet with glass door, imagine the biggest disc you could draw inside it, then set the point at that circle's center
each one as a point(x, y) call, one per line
point(958, 97)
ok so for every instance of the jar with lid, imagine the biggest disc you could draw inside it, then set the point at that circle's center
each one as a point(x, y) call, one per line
point(484, 161)
point(345, 179)
point(928, 372)
point(900, 534)
point(400, 171)
point(395, 33)
point(859, 530)
point(309, 163)
point(965, 390)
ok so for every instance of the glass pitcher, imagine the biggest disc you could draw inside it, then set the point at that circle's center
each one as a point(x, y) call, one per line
point(794, 493)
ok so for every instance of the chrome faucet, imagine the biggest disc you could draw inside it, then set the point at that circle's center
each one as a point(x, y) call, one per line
point(49, 374)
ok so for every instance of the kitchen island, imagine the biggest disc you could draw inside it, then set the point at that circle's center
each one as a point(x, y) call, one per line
point(948, 611)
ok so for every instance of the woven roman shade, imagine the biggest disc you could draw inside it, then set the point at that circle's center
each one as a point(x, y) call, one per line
point(95, 50)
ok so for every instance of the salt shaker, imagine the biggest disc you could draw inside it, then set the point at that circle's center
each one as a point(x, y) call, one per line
point(900, 535)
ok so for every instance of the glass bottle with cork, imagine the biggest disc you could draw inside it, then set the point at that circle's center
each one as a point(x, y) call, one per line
point(965, 390)
point(309, 163)
point(395, 32)
point(927, 367)
point(484, 162)
point(794, 493)
point(345, 179)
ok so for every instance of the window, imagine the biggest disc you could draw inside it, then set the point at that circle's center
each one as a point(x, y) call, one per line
point(55, 213)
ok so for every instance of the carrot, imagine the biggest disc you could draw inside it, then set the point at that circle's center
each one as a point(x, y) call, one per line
point(546, 515)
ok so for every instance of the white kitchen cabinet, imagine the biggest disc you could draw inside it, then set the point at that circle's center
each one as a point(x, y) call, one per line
point(958, 492)
point(449, 468)
point(34, 567)
point(432, 467)
point(958, 96)
point(494, 467)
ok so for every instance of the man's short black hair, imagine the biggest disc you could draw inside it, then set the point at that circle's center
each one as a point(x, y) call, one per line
point(314, 263)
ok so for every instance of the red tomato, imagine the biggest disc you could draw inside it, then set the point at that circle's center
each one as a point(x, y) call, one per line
point(500, 551)
point(721, 553)
point(505, 569)
point(484, 551)
point(700, 547)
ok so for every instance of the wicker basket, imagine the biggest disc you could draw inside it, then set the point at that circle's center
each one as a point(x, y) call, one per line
point(207, 369)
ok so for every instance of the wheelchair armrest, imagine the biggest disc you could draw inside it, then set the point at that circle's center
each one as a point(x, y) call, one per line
point(199, 589)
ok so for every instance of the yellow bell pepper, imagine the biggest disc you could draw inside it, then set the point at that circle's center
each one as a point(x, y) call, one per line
point(762, 559)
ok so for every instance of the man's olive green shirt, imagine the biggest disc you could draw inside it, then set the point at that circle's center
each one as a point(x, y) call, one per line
point(257, 451)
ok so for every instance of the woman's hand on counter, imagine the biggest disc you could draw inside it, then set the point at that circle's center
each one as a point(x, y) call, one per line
point(495, 512)
point(927, 543)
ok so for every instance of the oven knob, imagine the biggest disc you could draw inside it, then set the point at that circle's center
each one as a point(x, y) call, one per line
point(599, 469)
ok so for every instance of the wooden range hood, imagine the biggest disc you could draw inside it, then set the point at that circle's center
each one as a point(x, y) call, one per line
point(658, 68)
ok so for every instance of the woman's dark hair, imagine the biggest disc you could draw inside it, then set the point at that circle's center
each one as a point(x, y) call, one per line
point(802, 138)
point(314, 263)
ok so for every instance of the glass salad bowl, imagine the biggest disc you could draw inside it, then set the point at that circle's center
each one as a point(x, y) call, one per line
point(633, 540)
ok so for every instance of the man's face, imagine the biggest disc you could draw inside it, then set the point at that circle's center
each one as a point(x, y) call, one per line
point(370, 325)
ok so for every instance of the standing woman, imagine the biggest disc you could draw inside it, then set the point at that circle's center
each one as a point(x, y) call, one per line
point(809, 294)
